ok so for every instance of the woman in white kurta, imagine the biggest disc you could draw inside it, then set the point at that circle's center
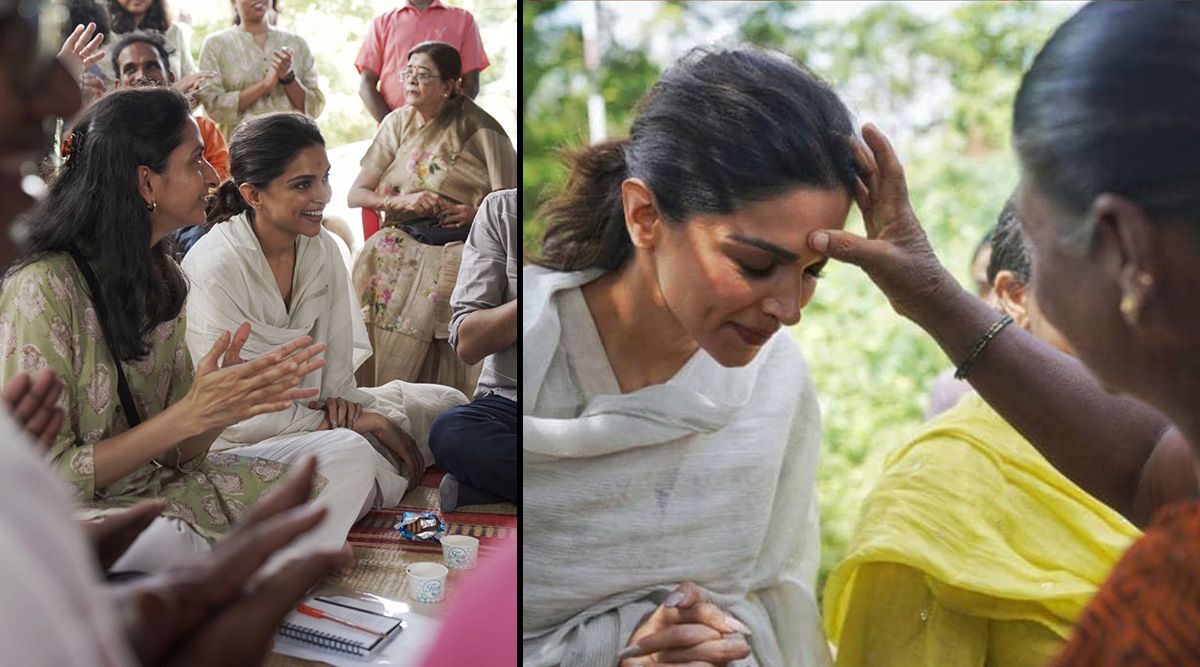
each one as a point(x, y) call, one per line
point(259, 69)
point(706, 478)
point(670, 430)
point(279, 168)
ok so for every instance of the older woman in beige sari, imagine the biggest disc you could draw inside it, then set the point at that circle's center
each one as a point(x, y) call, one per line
point(432, 161)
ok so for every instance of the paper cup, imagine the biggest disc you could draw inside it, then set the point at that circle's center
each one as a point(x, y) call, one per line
point(460, 552)
point(427, 581)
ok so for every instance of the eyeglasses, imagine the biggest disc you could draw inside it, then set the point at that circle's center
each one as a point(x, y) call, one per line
point(423, 75)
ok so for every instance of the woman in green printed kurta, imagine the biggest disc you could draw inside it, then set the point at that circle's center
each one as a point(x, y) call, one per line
point(439, 155)
point(49, 319)
point(259, 69)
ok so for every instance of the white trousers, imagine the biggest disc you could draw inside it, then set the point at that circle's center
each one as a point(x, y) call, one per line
point(357, 479)
point(412, 407)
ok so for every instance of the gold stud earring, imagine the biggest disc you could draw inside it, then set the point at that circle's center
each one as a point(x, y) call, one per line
point(1131, 301)
point(1129, 308)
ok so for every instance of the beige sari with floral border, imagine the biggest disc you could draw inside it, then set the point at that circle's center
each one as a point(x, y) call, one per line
point(404, 286)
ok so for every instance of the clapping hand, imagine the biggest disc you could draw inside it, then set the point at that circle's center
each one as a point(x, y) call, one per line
point(33, 404)
point(225, 394)
point(214, 611)
point(281, 64)
point(112, 534)
point(685, 630)
point(192, 83)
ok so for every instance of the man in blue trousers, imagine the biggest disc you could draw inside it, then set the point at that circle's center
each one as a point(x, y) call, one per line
point(477, 443)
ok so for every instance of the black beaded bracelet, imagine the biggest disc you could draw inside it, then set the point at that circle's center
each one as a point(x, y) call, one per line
point(961, 372)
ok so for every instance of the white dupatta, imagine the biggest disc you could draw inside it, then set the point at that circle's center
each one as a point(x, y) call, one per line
point(232, 283)
point(707, 478)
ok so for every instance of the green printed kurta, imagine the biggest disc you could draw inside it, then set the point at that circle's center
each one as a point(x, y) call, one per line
point(240, 63)
point(47, 321)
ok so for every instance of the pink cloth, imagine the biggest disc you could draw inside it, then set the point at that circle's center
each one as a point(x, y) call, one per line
point(394, 33)
point(481, 624)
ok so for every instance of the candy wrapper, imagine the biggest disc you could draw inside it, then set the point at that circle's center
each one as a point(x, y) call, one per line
point(427, 527)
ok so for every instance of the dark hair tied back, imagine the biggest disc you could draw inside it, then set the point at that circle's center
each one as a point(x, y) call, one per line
point(259, 151)
point(227, 203)
point(592, 194)
point(719, 130)
point(1110, 106)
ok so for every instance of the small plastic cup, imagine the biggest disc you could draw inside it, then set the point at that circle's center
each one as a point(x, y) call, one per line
point(460, 552)
point(427, 581)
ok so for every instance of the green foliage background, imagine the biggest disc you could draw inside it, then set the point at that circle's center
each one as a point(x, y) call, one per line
point(335, 30)
point(941, 87)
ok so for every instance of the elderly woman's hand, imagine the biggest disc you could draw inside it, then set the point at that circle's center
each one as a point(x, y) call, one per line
point(896, 253)
point(685, 630)
point(422, 203)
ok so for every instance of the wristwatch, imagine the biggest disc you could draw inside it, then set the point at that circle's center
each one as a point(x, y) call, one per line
point(285, 80)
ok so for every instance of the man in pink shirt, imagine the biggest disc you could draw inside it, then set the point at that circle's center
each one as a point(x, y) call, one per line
point(384, 52)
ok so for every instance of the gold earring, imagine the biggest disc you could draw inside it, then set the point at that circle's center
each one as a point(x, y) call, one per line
point(1131, 301)
point(1129, 308)
point(152, 206)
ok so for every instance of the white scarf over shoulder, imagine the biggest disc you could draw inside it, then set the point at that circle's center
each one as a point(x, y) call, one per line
point(708, 478)
point(232, 283)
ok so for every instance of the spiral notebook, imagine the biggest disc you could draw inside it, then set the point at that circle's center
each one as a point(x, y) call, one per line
point(334, 636)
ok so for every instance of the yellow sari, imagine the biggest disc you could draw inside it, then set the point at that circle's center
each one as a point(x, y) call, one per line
point(971, 550)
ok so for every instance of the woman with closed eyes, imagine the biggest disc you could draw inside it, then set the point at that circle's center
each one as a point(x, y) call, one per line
point(671, 430)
